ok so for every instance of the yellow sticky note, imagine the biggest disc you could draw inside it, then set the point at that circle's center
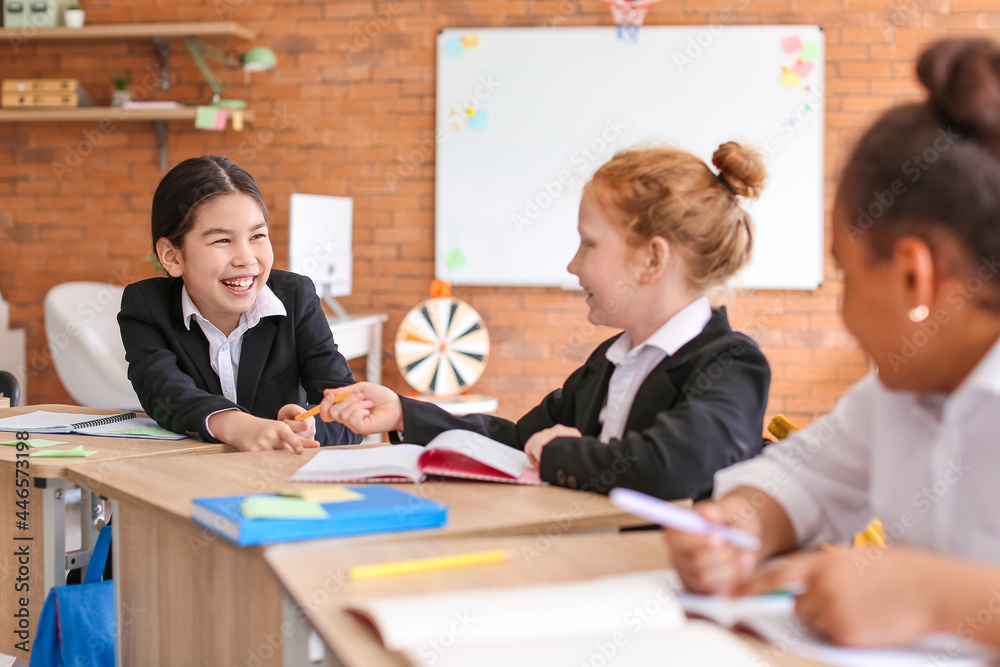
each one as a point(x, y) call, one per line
point(324, 493)
point(790, 79)
point(469, 42)
point(238, 120)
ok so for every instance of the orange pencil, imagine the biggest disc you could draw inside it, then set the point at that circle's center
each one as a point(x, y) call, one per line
point(315, 410)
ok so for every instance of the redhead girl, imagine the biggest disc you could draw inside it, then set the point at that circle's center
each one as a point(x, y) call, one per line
point(677, 394)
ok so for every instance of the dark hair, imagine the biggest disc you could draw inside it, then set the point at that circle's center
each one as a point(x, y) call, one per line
point(190, 184)
point(934, 168)
point(668, 192)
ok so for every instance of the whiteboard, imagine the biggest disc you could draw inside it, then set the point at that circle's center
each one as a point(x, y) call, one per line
point(526, 115)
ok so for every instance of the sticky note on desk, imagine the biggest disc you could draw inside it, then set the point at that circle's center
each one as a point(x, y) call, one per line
point(75, 453)
point(151, 431)
point(324, 493)
point(281, 507)
point(33, 442)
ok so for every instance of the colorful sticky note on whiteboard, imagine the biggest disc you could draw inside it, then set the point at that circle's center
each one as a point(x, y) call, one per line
point(453, 47)
point(470, 41)
point(790, 79)
point(810, 51)
point(479, 121)
point(791, 44)
point(454, 259)
point(802, 69)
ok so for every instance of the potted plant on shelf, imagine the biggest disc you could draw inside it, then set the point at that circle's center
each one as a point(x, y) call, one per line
point(121, 95)
point(73, 17)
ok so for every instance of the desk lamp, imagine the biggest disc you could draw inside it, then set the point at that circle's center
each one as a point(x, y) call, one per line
point(257, 59)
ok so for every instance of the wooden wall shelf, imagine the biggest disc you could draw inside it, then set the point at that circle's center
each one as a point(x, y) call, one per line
point(130, 31)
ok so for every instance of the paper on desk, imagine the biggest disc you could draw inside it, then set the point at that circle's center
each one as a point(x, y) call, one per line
point(324, 493)
point(40, 419)
point(147, 431)
point(75, 453)
point(280, 507)
point(34, 442)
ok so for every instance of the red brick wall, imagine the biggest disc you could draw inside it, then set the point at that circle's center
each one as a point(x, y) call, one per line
point(351, 104)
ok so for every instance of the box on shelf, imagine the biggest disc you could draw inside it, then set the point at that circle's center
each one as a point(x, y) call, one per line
point(38, 100)
point(30, 13)
point(38, 86)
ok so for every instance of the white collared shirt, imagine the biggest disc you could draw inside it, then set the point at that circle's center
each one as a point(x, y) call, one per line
point(634, 364)
point(926, 465)
point(224, 351)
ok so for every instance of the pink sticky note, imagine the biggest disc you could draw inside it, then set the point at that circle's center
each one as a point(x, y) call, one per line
point(791, 44)
point(220, 119)
point(803, 69)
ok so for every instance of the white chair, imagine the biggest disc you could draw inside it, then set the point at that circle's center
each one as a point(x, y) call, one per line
point(81, 325)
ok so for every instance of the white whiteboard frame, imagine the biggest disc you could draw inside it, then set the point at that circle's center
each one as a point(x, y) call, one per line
point(552, 93)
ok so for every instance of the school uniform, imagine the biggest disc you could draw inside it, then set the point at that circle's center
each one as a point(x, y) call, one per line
point(182, 375)
point(924, 464)
point(700, 408)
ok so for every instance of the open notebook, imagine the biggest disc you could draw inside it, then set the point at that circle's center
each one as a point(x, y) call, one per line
point(629, 619)
point(122, 425)
point(455, 453)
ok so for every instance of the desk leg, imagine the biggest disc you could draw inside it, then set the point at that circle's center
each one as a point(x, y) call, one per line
point(53, 532)
point(296, 629)
point(373, 369)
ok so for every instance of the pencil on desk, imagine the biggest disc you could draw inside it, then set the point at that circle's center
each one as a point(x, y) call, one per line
point(315, 409)
point(426, 564)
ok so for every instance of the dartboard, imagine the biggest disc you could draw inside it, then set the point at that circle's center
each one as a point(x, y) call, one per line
point(442, 347)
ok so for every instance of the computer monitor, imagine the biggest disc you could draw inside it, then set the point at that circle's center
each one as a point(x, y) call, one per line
point(319, 244)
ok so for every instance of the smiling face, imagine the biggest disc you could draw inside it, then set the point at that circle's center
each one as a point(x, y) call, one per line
point(226, 258)
point(602, 264)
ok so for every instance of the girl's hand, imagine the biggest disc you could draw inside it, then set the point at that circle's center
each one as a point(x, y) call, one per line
point(254, 434)
point(707, 563)
point(859, 600)
point(371, 408)
point(533, 448)
point(305, 428)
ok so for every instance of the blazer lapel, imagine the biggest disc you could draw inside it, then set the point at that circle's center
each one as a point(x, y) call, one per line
point(195, 344)
point(256, 346)
point(590, 397)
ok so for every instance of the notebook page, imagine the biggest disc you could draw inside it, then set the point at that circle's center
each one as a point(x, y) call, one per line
point(143, 427)
point(527, 613)
point(40, 419)
point(333, 465)
point(694, 643)
point(485, 450)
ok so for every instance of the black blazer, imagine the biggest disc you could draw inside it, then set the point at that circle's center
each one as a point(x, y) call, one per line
point(699, 410)
point(284, 360)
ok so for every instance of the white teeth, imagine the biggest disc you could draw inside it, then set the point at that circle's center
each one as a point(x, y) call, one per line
point(241, 284)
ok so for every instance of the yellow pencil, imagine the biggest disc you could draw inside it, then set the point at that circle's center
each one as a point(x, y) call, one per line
point(426, 564)
point(315, 409)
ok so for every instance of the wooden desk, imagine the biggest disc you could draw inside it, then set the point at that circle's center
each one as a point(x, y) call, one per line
point(314, 576)
point(178, 580)
point(45, 535)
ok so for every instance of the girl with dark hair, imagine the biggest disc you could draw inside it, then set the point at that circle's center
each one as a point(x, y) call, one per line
point(226, 348)
point(916, 232)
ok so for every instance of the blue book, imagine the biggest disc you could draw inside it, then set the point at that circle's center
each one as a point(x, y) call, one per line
point(382, 510)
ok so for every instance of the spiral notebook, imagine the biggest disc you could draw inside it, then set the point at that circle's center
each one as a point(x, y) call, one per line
point(122, 425)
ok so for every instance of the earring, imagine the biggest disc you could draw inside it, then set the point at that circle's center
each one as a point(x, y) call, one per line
point(920, 313)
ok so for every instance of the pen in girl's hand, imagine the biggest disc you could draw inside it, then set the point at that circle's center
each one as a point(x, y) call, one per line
point(678, 518)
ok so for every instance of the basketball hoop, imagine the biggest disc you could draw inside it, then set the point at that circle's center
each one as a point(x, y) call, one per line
point(628, 16)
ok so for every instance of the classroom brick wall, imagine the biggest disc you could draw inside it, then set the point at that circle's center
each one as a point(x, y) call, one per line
point(350, 111)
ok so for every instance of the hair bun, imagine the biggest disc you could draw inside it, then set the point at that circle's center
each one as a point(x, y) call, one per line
point(741, 168)
point(963, 79)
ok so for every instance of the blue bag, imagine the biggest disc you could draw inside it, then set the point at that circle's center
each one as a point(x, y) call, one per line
point(77, 624)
